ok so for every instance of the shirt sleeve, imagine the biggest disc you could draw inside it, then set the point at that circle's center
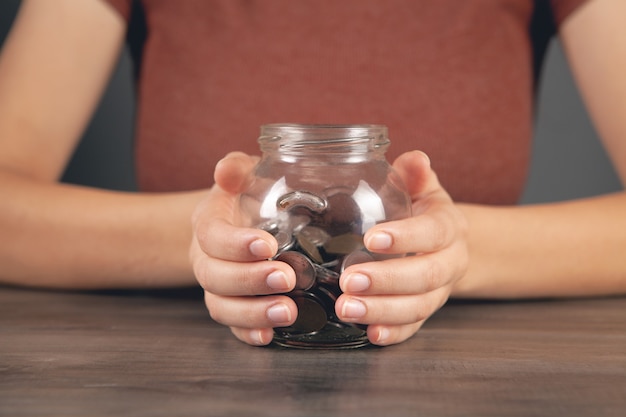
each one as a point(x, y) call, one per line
point(123, 7)
point(562, 9)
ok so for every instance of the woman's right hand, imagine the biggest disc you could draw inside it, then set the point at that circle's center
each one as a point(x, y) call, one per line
point(242, 289)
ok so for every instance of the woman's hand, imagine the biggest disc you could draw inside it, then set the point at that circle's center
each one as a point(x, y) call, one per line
point(231, 264)
point(394, 297)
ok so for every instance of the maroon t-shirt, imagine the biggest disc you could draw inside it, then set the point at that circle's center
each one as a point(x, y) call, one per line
point(452, 78)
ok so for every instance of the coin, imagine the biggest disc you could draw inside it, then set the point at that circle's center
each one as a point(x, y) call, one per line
point(343, 214)
point(312, 315)
point(302, 266)
point(344, 244)
point(270, 226)
point(301, 199)
point(296, 222)
point(329, 296)
point(356, 257)
point(331, 264)
point(316, 235)
point(309, 248)
point(285, 240)
point(326, 276)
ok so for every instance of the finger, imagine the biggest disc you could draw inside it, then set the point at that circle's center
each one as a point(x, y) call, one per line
point(415, 170)
point(385, 335)
point(252, 312)
point(243, 278)
point(416, 274)
point(425, 233)
point(232, 173)
point(218, 238)
point(390, 309)
point(254, 337)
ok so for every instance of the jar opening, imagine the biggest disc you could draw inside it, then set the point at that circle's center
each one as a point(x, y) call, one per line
point(301, 139)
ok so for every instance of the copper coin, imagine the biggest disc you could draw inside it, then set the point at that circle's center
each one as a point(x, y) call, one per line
point(302, 266)
point(312, 315)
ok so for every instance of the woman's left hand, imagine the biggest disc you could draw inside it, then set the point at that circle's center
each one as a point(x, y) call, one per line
point(394, 297)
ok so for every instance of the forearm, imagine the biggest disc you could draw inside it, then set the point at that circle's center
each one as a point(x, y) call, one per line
point(65, 236)
point(573, 248)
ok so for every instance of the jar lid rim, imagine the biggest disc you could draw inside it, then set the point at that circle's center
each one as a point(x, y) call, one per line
point(295, 128)
point(323, 137)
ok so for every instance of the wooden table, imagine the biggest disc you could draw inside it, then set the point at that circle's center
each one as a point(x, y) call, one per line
point(159, 353)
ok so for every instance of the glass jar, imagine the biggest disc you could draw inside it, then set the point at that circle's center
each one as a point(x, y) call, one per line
point(317, 189)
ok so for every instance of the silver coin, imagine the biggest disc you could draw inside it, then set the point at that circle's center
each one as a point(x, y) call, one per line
point(309, 249)
point(296, 222)
point(285, 240)
point(356, 257)
point(331, 264)
point(328, 295)
point(326, 276)
point(305, 199)
point(270, 226)
point(344, 244)
point(316, 235)
point(302, 266)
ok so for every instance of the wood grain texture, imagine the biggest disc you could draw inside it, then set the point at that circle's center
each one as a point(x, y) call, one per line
point(159, 354)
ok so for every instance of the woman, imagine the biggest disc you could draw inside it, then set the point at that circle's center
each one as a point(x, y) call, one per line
point(454, 81)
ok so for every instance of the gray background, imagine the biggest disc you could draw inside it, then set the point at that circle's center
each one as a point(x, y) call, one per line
point(568, 160)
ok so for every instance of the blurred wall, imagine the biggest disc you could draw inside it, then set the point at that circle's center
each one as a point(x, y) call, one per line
point(104, 156)
point(568, 160)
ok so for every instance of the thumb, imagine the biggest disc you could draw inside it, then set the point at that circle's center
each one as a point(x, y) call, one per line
point(232, 172)
point(415, 170)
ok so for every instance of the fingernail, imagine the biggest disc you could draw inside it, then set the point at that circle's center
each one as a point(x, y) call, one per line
point(383, 335)
point(260, 249)
point(279, 314)
point(425, 157)
point(256, 337)
point(357, 283)
point(379, 241)
point(353, 309)
point(277, 280)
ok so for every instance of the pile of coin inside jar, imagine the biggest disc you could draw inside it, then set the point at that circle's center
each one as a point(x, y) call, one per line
point(319, 237)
